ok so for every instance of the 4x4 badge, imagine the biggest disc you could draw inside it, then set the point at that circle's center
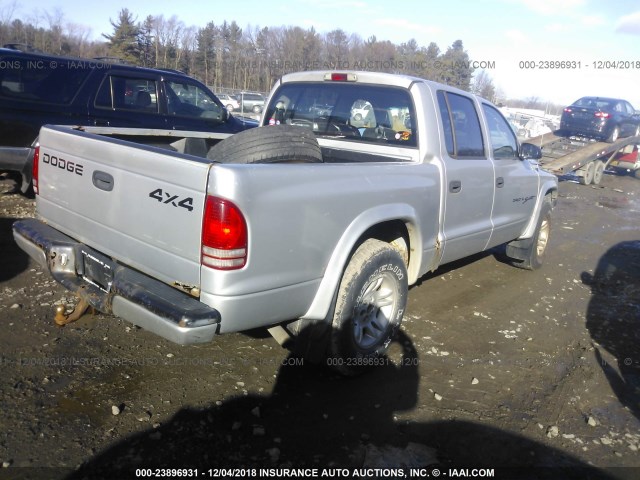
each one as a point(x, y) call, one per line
point(168, 199)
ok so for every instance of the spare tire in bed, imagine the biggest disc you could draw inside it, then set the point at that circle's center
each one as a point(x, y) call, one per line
point(269, 144)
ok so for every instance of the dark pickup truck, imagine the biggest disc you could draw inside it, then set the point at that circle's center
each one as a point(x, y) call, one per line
point(38, 89)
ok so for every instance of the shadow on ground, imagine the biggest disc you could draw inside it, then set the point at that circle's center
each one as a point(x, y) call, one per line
point(613, 320)
point(315, 419)
point(13, 260)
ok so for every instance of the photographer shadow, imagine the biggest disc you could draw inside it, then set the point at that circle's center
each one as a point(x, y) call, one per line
point(613, 320)
point(316, 419)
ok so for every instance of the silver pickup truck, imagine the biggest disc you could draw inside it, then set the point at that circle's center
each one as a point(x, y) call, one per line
point(312, 225)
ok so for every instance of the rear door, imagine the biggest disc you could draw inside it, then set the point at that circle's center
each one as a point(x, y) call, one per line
point(141, 206)
point(469, 178)
point(516, 180)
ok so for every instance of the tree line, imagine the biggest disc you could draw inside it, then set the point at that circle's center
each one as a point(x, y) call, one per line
point(227, 57)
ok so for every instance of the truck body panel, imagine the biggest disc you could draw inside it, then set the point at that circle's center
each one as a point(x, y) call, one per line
point(432, 166)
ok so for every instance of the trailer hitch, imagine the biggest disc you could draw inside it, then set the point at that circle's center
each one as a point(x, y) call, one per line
point(63, 318)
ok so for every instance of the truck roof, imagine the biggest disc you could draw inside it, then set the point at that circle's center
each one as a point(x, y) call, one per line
point(378, 78)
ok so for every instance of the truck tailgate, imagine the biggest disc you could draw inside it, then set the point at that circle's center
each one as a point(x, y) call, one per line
point(140, 205)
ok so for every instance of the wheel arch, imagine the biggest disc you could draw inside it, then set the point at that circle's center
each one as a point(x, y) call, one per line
point(549, 190)
point(386, 223)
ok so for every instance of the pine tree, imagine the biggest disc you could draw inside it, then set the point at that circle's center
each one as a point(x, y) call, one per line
point(125, 42)
point(456, 69)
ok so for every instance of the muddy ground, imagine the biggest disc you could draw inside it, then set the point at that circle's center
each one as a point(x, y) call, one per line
point(530, 373)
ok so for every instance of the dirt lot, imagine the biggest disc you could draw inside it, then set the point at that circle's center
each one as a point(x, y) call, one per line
point(496, 367)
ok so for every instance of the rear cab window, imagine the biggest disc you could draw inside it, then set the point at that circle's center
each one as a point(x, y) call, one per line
point(41, 80)
point(346, 111)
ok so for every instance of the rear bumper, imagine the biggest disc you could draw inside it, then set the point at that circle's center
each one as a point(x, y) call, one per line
point(588, 128)
point(133, 296)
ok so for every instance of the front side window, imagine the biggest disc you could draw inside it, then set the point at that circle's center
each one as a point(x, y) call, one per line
point(503, 143)
point(189, 100)
point(349, 111)
point(128, 93)
point(459, 116)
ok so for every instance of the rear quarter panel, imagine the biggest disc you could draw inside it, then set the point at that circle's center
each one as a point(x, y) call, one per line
point(304, 220)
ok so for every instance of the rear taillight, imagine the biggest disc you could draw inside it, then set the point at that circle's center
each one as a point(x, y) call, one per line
point(34, 169)
point(602, 115)
point(567, 110)
point(224, 235)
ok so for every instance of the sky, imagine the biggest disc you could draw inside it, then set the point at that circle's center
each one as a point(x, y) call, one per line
point(518, 41)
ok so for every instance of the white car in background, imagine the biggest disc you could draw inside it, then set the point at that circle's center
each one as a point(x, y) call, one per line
point(229, 102)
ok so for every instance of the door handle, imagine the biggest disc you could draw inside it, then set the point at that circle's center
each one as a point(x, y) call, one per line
point(455, 186)
point(499, 182)
point(103, 180)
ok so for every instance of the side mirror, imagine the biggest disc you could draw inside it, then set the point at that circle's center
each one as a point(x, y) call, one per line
point(529, 151)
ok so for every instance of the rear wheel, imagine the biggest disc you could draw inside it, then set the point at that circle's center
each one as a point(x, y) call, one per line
point(614, 135)
point(369, 307)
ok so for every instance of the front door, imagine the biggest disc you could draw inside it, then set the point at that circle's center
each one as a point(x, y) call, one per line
point(516, 189)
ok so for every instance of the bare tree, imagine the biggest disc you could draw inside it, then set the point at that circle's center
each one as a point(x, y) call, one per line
point(483, 86)
point(54, 20)
point(78, 36)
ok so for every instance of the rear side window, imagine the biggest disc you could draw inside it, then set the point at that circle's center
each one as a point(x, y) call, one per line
point(128, 93)
point(40, 80)
point(463, 135)
point(629, 108)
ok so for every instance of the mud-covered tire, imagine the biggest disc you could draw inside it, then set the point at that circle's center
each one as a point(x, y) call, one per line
point(270, 144)
point(369, 307)
point(529, 253)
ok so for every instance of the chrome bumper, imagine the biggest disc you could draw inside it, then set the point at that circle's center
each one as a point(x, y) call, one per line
point(131, 295)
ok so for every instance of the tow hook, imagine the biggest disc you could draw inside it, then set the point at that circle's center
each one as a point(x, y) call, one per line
point(63, 318)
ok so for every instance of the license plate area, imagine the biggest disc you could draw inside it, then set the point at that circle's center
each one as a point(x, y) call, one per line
point(96, 269)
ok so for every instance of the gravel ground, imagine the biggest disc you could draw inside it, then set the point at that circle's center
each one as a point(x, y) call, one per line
point(530, 373)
